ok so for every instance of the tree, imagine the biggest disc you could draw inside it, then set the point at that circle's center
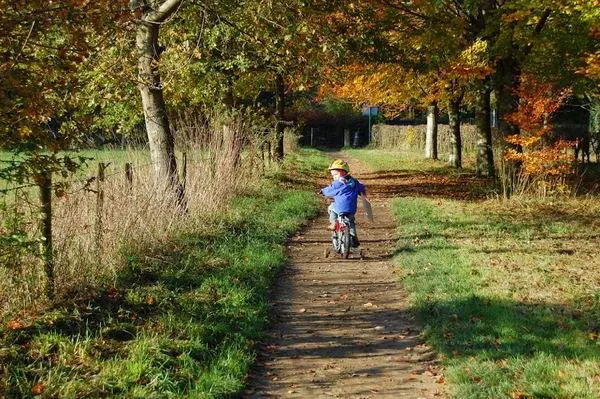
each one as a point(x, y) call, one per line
point(288, 46)
point(160, 137)
point(543, 162)
point(45, 46)
point(484, 163)
point(425, 42)
point(455, 95)
point(40, 68)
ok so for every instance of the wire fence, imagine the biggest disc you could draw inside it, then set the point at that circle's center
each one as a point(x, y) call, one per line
point(97, 198)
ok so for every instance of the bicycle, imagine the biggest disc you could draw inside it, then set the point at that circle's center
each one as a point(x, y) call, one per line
point(341, 238)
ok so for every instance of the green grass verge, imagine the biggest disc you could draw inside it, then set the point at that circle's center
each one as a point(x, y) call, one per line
point(388, 160)
point(183, 318)
point(508, 294)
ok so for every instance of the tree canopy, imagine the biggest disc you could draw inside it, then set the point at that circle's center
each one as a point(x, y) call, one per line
point(70, 67)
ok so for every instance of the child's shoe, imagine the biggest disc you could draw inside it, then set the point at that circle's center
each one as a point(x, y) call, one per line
point(354, 242)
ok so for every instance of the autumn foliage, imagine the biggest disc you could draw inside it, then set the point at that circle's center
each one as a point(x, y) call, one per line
point(542, 160)
point(386, 85)
point(591, 60)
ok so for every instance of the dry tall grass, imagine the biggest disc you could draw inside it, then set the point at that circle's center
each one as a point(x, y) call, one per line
point(223, 157)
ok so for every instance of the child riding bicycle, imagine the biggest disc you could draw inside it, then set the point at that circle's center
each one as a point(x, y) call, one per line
point(344, 190)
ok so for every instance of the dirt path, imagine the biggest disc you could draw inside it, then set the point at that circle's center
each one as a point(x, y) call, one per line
point(342, 328)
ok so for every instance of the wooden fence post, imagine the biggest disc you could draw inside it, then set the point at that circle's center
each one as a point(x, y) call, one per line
point(184, 171)
point(45, 184)
point(129, 175)
point(99, 209)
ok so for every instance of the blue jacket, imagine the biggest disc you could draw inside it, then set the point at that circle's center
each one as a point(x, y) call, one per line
point(344, 192)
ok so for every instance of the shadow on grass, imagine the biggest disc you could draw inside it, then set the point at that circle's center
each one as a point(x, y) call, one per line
point(176, 313)
point(589, 180)
point(178, 299)
point(503, 329)
point(491, 338)
point(414, 183)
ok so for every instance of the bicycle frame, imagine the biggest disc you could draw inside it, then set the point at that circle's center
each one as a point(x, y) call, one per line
point(341, 238)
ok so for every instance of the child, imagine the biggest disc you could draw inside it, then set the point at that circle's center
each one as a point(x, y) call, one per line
point(344, 190)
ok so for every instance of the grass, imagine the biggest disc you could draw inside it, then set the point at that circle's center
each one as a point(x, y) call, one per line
point(115, 159)
point(508, 292)
point(183, 317)
point(392, 160)
point(92, 220)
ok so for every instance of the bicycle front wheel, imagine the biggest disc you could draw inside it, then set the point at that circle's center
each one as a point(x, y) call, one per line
point(345, 238)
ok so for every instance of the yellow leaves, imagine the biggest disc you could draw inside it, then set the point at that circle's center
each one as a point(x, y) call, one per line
point(383, 84)
point(471, 63)
point(24, 132)
point(517, 16)
point(476, 54)
point(592, 66)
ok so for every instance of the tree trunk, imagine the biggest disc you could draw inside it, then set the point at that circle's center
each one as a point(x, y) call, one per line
point(160, 137)
point(507, 84)
point(280, 117)
point(162, 149)
point(594, 127)
point(508, 77)
point(431, 150)
point(485, 154)
point(455, 158)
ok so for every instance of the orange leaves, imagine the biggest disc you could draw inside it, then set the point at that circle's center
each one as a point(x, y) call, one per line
point(15, 324)
point(539, 157)
point(552, 160)
point(38, 389)
point(538, 102)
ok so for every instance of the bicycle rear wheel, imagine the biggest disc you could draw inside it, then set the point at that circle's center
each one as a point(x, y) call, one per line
point(336, 242)
point(345, 243)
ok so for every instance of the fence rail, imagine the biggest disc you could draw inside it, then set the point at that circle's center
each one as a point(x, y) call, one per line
point(90, 197)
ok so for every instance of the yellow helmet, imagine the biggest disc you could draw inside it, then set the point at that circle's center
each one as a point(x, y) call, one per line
point(339, 164)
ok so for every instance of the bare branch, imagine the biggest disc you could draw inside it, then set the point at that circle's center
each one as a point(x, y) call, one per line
point(538, 29)
point(402, 7)
point(165, 10)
